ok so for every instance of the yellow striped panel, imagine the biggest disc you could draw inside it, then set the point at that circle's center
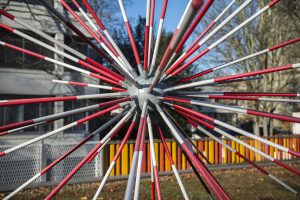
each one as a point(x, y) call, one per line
point(111, 156)
point(272, 149)
point(242, 151)
point(124, 168)
point(206, 150)
point(174, 152)
point(183, 165)
point(276, 150)
point(251, 152)
point(156, 151)
point(233, 154)
point(167, 162)
point(118, 163)
point(211, 152)
point(131, 146)
point(237, 148)
point(224, 151)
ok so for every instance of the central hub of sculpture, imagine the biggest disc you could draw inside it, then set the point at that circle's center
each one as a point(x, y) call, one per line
point(141, 94)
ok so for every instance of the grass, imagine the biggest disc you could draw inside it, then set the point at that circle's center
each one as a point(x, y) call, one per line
point(239, 183)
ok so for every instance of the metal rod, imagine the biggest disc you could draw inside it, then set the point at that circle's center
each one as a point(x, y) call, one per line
point(48, 59)
point(133, 168)
point(207, 176)
point(158, 38)
point(173, 72)
point(75, 29)
point(273, 48)
point(130, 35)
point(83, 161)
point(122, 69)
point(63, 128)
point(184, 193)
point(236, 76)
point(9, 128)
point(153, 157)
point(235, 109)
point(106, 33)
point(61, 98)
point(190, 11)
point(61, 44)
point(262, 170)
point(66, 154)
point(295, 171)
point(233, 128)
point(104, 87)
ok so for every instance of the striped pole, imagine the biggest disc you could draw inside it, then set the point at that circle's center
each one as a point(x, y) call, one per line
point(110, 46)
point(198, 44)
point(208, 28)
point(83, 161)
point(66, 154)
point(101, 36)
point(140, 161)
point(130, 35)
point(151, 23)
point(236, 76)
point(117, 155)
point(61, 44)
point(134, 163)
point(122, 69)
point(246, 98)
point(273, 48)
point(187, 137)
point(173, 72)
point(262, 170)
point(105, 142)
point(191, 29)
point(240, 131)
point(242, 94)
point(235, 109)
point(9, 128)
point(71, 26)
point(207, 176)
point(146, 35)
point(62, 98)
point(158, 38)
point(293, 170)
point(108, 36)
point(153, 157)
point(48, 59)
point(172, 164)
point(190, 11)
point(90, 85)
point(63, 128)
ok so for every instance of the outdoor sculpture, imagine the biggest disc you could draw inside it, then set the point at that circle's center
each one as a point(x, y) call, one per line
point(143, 92)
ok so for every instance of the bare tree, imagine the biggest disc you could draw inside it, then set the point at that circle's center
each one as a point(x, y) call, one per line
point(277, 25)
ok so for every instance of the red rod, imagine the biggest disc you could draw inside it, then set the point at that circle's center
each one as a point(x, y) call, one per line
point(51, 99)
point(237, 109)
point(36, 120)
point(194, 24)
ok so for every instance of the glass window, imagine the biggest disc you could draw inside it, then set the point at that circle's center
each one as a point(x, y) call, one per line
point(70, 105)
point(73, 7)
point(14, 59)
point(34, 2)
point(12, 114)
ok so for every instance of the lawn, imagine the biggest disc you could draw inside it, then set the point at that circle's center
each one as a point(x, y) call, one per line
point(245, 183)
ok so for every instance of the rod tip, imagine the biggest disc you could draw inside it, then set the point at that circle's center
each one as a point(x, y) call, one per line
point(2, 154)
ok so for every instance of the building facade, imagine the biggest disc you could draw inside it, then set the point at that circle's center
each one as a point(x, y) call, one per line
point(23, 76)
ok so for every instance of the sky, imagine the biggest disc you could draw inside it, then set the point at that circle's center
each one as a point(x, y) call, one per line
point(138, 7)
